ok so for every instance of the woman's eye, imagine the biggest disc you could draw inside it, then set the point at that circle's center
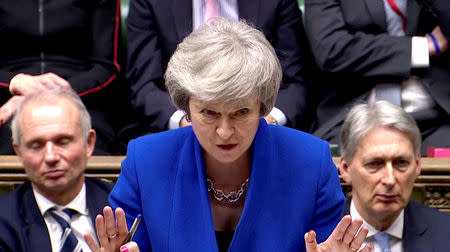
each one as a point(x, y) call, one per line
point(241, 112)
point(208, 112)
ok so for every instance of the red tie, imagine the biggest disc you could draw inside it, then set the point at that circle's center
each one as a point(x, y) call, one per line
point(397, 10)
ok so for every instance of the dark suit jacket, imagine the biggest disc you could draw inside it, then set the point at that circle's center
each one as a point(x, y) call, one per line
point(156, 27)
point(425, 229)
point(351, 46)
point(22, 227)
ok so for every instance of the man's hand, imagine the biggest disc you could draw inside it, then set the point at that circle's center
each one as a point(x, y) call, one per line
point(270, 120)
point(440, 39)
point(345, 238)
point(23, 84)
point(8, 109)
point(184, 122)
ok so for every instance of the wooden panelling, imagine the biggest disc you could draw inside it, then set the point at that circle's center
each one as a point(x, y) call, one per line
point(432, 187)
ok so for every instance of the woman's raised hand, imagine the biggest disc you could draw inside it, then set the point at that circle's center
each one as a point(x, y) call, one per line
point(345, 237)
point(111, 233)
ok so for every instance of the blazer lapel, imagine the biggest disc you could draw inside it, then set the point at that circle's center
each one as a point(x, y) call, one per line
point(35, 229)
point(414, 232)
point(192, 226)
point(377, 12)
point(263, 157)
point(249, 9)
point(192, 223)
point(181, 12)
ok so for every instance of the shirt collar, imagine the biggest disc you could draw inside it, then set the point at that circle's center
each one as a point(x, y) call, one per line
point(395, 230)
point(78, 203)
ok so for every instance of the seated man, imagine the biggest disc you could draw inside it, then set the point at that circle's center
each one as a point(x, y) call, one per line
point(382, 50)
point(53, 139)
point(381, 160)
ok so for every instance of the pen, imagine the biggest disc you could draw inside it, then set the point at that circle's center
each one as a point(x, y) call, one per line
point(136, 222)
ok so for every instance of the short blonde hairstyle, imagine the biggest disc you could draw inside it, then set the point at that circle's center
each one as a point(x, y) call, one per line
point(224, 61)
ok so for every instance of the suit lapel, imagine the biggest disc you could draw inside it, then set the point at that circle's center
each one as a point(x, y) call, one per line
point(414, 230)
point(346, 209)
point(35, 229)
point(96, 199)
point(249, 9)
point(181, 12)
point(412, 16)
point(377, 12)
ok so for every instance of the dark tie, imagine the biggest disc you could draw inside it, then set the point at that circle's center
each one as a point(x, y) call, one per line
point(383, 240)
point(69, 243)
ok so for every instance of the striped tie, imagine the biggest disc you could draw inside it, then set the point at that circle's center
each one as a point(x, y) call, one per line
point(69, 243)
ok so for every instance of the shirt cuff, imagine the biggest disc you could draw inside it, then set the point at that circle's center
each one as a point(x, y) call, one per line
point(278, 115)
point(420, 56)
point(175, 119)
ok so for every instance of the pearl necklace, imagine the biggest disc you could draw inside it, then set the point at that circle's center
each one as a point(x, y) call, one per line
point(232, 197)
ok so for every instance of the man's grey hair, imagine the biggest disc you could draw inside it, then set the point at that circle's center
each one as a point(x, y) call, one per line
point(363, 118)
point(50, 96)
point(224, 61)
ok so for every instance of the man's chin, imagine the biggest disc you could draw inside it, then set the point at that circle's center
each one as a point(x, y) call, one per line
point(387, 209)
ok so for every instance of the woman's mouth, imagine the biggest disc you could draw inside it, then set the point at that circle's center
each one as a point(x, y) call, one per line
point(227, 147)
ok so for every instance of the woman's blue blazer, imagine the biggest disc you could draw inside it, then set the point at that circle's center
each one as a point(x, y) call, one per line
point(293, 188)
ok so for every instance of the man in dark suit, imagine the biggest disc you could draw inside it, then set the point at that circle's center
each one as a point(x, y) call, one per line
point(381, 160)
point(362, 46)
point(155, 28)
point(53, 139)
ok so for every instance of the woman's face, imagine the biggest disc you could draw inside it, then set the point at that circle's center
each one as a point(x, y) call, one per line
point(225, 131)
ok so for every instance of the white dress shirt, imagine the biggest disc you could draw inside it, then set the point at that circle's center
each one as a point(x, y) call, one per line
point(414, 97)
point(395, 232)
point(81, 222)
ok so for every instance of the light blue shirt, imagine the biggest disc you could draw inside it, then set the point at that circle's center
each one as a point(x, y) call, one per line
point(393, 20)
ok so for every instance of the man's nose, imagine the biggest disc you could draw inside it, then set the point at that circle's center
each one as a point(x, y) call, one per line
point(51, 154)
point(388, 176)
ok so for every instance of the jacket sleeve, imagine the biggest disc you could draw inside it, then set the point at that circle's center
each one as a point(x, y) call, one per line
point(338, 49)
point(290, 44)
point(146, 66)
point(330, 199)
point(126, 194)
point(104, 52)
